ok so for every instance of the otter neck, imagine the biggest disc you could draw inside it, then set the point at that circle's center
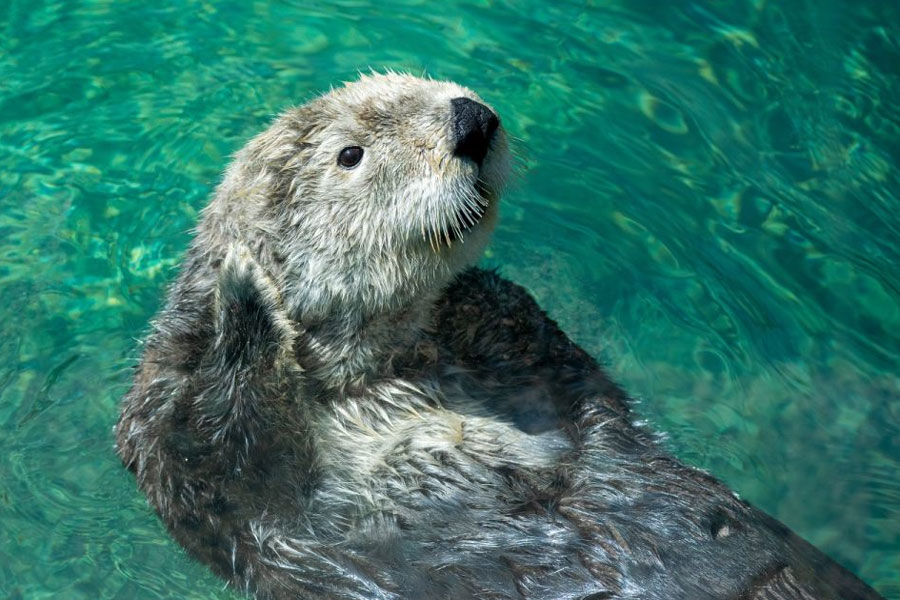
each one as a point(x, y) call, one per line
point(348, 349)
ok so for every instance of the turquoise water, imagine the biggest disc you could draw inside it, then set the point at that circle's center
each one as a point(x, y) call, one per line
point(708, 200)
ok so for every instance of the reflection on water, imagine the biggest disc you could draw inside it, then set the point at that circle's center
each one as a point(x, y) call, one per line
point(708, 201)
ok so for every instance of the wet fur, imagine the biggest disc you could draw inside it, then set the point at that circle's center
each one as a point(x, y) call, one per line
point(332, 405)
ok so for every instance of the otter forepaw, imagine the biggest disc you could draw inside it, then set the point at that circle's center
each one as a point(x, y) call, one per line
point(251, 324)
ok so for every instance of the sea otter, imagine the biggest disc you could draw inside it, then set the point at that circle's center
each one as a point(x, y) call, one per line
point(334, 404)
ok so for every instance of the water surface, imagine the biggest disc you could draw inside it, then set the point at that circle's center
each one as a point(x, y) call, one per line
point(708, 202)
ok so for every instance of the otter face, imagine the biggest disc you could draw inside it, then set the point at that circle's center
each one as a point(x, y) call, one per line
point(370, 195)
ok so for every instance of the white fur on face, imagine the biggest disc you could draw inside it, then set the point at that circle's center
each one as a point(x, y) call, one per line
point(374, 237)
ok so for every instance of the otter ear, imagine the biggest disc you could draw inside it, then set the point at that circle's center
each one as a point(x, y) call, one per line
point(251, 326)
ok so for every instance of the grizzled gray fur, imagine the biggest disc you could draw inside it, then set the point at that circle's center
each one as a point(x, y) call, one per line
point(334, 404)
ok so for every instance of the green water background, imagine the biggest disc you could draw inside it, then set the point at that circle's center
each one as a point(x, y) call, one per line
point(708, 201)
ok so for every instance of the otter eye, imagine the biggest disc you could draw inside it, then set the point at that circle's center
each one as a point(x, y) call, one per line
point(350, 157)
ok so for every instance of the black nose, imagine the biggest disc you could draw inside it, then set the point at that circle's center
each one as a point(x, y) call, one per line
point(473, 127)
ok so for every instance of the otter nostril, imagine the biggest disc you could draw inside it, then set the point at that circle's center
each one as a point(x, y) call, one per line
point(474, 125)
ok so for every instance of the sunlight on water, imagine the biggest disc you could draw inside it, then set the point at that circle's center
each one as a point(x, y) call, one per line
point(708, 202)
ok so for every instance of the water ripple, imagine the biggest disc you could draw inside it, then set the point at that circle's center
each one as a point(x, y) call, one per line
point(709, 203)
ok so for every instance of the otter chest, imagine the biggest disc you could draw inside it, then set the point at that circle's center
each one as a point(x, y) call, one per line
point(403, 446)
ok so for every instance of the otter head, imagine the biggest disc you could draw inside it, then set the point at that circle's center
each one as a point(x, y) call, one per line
point(363, 203)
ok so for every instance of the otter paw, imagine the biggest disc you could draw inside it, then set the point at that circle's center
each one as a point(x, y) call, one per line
point(251, 324)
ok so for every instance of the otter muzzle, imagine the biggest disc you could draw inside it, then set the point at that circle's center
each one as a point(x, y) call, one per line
point(474, 125)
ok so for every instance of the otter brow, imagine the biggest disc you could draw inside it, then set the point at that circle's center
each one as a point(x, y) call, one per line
point(374, 114)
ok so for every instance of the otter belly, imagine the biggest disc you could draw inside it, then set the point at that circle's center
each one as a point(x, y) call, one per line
point(455, 503)
point(419, 451)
